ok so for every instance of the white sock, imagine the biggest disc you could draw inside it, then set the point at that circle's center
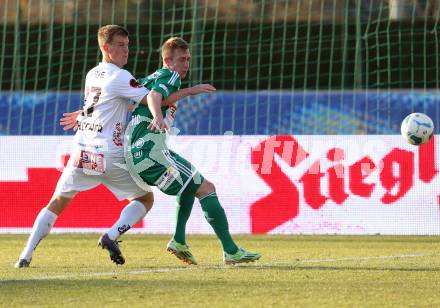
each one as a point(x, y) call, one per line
point(42, 226)
point(130, 215)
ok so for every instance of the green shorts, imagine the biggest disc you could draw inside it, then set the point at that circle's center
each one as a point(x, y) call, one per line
point(158, 166)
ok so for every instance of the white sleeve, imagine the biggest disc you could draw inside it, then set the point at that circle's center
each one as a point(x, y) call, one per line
point(126, 86)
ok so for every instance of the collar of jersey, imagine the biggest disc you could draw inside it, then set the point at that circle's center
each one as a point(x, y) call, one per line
point(109, 64)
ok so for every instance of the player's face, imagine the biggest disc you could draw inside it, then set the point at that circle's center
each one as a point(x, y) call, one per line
point(179, 62)
point(118, 51)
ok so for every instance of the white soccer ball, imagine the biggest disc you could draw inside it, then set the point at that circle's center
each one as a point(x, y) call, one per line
point(417, 128)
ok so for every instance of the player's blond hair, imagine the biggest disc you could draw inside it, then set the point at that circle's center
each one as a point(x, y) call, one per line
point(172, 44)
point(107, 33)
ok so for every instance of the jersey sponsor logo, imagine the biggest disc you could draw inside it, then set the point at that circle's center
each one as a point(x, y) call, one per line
point(135, 120)
point(164, 87)
point(139, 143)
point(138, 154)
point(90, 145)
point(90, 161)
point(135, 84)
point(85, 125)
point(167, 178)
point(117, 134)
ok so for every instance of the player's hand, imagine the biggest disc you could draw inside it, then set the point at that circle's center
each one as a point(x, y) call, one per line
point(158, 124)
point(69, 120)
point(173, 107)
point(201, 88)
point(171, 112)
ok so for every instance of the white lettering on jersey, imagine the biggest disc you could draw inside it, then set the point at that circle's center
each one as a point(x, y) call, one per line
point(99, 74)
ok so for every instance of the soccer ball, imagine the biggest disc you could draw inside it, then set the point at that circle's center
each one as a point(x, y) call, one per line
point(417, 128)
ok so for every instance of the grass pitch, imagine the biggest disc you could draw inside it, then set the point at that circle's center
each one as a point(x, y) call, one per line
point(295, 271)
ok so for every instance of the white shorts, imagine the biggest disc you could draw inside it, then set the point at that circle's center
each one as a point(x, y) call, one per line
point(116, 178)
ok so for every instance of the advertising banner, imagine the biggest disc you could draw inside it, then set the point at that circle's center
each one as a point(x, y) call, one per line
point(306, 184)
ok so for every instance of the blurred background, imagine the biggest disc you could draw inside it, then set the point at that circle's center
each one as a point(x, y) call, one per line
point(304, 54)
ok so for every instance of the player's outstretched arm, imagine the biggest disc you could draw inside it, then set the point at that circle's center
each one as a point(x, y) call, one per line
point(197, 89)
point(69, 120)
point(153, 101)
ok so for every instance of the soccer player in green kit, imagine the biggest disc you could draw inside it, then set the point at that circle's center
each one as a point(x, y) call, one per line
point(149, 160)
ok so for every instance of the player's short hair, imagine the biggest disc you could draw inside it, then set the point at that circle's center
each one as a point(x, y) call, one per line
point(108, 32)
point(172, 44)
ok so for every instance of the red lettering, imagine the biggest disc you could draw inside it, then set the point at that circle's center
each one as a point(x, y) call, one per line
point(282, 204)
point(427, 169)
point(357, 173)
point(404, 160)
point(312, 186)
point(336, 183)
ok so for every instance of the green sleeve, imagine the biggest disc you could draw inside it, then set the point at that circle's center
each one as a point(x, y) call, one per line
point(142, 81)
point(167, 85)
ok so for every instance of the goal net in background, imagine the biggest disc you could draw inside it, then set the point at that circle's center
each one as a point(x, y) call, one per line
point(306, 54)
point(285, 68)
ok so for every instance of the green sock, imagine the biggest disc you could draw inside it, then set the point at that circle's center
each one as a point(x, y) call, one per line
point(183, 211)
point(216, 217)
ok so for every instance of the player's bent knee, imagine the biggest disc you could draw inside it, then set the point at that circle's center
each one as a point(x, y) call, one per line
point(147, 200)
point(57, 204)
point(206, 188)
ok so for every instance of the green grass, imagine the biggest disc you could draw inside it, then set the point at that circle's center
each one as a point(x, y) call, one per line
point(300, 271)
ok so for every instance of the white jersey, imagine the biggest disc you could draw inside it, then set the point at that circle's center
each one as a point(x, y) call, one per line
point(109, 91)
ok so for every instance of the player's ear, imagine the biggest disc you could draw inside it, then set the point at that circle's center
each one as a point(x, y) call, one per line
point(167, 61)
point(105, 47)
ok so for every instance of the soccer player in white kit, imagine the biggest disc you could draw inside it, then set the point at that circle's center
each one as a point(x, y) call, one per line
point(97, 156)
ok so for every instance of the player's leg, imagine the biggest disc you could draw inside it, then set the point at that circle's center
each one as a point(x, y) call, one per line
point(131, 214)
point(177, 176)
point(141, 199)
point(72, 181)
point(177, 245)
point(185, 204)
point(174, 175)
point(42, 226)
point(216, 217)
point(171, 174)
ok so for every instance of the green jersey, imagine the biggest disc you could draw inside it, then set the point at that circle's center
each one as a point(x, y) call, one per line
point(164, 81)
point(148, 158)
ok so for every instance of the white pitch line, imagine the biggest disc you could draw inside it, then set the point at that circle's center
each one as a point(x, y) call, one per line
point(115, 273)
point(192, 268)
